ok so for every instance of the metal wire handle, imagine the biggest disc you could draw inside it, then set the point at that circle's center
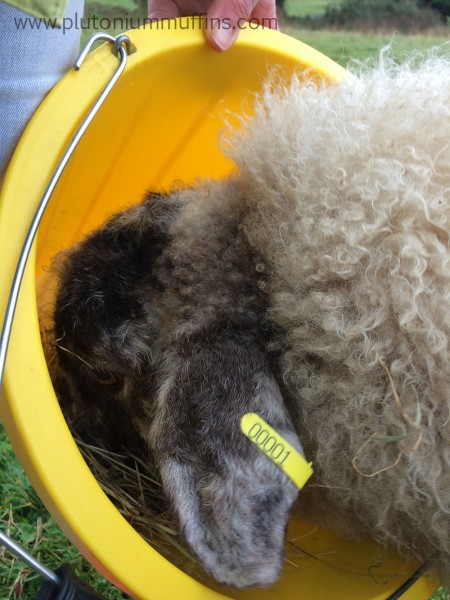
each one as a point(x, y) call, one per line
point(21, 553)
point(122, 47)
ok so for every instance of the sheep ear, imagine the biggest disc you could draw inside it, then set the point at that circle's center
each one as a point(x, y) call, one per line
point(231, 501)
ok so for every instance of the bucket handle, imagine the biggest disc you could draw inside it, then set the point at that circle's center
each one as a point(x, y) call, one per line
point(122, 47)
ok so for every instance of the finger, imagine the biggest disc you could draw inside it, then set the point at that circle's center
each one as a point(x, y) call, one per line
point(225, 18)
point(265, 14)
point(163, 9)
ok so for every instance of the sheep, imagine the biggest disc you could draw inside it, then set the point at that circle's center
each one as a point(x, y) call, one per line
point(312, 287)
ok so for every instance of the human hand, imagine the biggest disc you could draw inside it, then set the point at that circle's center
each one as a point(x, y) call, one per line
point(225, 18)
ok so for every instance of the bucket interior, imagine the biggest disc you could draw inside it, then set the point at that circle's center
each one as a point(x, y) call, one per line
point(160, 127)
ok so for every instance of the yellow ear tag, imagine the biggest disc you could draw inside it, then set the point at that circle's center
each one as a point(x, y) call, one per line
point(275, 447)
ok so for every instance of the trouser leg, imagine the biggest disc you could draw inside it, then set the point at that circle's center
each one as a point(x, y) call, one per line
point(31, 63)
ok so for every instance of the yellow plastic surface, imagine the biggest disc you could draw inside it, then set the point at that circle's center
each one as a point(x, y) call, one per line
point(160, 124)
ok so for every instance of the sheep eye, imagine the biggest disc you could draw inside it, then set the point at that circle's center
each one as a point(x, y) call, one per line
point(104, 377)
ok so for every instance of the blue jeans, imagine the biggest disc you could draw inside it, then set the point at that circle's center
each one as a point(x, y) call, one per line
point(31, 62)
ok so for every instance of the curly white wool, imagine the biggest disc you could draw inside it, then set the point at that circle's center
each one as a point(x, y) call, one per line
point(349, 191)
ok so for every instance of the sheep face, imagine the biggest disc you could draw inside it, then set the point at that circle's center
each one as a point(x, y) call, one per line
point(162, 348)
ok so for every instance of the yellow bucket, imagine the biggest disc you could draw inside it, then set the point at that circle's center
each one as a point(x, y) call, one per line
point(159, 125)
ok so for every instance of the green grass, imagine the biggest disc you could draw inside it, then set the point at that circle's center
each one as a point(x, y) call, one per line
point(345, 46)
point(25, 519)
point(305, 8)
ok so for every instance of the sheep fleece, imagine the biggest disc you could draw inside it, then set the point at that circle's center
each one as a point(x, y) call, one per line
point(348, 196)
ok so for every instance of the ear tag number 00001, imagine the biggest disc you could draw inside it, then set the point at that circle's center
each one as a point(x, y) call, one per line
point(277, 449)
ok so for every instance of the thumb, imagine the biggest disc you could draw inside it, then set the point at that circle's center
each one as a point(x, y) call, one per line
point(162, 9)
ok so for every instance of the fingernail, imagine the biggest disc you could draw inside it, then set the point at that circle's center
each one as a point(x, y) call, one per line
point(223, 36)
